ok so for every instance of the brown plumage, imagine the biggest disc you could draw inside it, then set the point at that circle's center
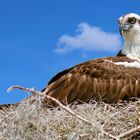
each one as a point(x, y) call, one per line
point(97, 79)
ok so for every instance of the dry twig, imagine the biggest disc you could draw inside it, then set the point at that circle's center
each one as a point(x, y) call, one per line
point(6, 117)
point(128, 133)
point(53, 99)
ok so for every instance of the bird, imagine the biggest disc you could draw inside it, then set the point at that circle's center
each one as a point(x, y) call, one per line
point(108, 79)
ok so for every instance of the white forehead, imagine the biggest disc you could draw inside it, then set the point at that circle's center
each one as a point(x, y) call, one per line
point(129, 16)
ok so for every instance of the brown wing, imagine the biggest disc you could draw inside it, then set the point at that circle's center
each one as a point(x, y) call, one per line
point(96, 79)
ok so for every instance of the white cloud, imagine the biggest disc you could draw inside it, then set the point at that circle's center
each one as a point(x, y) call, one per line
point(88, 38)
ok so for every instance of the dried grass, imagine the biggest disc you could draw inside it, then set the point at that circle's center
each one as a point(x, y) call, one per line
point(29, 121)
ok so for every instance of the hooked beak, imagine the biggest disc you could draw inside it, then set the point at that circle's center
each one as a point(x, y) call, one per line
point(124, 27)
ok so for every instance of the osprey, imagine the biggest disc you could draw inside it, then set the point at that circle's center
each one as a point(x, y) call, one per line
point(107, 79)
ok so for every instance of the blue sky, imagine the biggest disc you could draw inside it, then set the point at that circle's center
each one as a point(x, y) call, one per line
point(39, 38)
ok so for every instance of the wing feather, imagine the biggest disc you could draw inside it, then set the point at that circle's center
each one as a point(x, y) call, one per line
point(96, 79)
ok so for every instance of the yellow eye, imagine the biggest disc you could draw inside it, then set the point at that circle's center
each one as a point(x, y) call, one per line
point(132, 20)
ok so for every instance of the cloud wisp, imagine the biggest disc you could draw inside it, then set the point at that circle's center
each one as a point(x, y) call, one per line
point(88, 38)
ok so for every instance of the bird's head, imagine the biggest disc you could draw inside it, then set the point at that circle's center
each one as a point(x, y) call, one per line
point(129, 25)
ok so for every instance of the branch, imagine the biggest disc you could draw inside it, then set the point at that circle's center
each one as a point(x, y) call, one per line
point(130, 132)
point(51, 98)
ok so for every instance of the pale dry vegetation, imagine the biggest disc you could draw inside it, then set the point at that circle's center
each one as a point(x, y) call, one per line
point(88, 121)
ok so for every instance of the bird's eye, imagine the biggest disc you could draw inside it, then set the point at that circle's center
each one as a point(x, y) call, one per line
point(132, 20)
